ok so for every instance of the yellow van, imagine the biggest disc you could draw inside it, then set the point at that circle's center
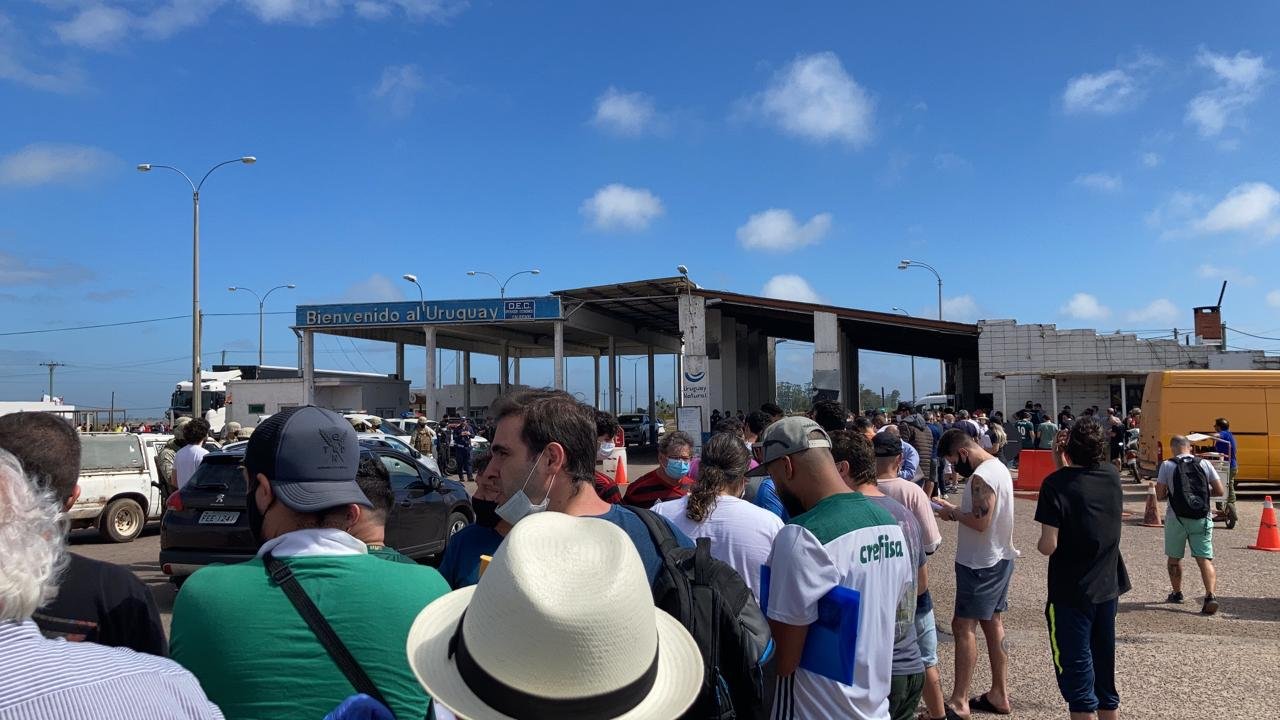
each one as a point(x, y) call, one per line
point(1178, 402)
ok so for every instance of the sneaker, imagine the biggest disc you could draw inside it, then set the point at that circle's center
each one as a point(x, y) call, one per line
point(1210, 605)
point(1174, 597)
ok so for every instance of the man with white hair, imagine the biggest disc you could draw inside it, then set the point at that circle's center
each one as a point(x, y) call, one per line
point(53, 679)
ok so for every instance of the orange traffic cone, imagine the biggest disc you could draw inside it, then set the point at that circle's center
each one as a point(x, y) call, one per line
point(620, 475)
point(1268, 534)
point(1151, 518)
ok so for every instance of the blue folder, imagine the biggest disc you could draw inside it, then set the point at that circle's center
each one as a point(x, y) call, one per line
point(832, 639)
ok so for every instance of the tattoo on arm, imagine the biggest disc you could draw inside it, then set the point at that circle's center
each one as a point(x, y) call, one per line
point(982, 497)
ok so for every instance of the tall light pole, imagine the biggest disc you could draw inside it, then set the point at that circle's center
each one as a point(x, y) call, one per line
point(913, 363)
point(502, 284)
point(261, 302)
point(196, 385)
point(942, 371)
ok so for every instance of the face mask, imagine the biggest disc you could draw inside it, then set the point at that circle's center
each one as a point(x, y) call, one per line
point(606, 449)
point(255, 516)
point(963, 466)
point(677, 468)
point(519, 506)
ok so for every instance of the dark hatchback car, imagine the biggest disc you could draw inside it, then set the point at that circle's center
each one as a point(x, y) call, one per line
point(205, 522)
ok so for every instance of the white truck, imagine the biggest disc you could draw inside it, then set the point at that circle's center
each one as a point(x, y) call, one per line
point(119, 484)
point(213, 397)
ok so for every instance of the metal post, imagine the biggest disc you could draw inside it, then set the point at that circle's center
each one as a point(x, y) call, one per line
point(1054, 410)
point(196, 384)
point(260, 304)
point(466, 383)
point(942, 366)
point(399, 361)
point(308, 367)
point(429, 387)
point(595, 364)
point(1004, 397)
point(559, 352)
point(613, 375)
point(653, 403)
point(516, 368)
point(1124, 400)
point(914, 396)
point(504, 380)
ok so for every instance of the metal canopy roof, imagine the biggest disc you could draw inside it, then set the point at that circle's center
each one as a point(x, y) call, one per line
point(646, 312)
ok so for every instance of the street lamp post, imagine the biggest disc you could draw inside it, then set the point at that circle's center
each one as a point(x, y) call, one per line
point(914, 397)
point(903, 265)
point(261, 302)
point(502, 284)
point(196, 384)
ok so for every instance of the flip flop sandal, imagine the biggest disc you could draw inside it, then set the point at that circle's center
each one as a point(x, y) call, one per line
point(982, 704)
point(953, 715)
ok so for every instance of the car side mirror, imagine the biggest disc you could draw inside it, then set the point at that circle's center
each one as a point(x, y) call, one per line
point(416, 455)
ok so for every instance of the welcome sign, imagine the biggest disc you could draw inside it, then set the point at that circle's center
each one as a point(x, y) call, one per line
point(429, 312)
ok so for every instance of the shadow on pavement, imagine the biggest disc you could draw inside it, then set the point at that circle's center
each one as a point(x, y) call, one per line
point(91, 536)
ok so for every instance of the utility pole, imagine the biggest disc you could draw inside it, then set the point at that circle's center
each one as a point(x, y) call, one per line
point(51, 365)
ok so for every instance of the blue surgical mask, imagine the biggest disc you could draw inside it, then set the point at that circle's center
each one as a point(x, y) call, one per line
point(519, 506)
point(677, 468)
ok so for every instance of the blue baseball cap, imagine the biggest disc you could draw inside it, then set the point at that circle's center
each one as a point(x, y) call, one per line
point(310, 455)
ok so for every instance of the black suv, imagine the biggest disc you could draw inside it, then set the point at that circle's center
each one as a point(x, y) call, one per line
point(205, 521)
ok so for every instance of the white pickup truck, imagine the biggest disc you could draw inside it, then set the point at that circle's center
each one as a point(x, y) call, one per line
point(119, 484)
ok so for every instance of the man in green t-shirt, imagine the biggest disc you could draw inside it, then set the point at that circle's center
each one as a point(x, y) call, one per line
point(1045, 433)
point(235, 629)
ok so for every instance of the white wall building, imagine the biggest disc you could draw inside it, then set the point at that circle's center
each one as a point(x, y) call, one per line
point(449, 400)
point(1034, 362)
point(249, 400)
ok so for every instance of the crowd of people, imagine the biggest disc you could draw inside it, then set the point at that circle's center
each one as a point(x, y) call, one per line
point(556, 601)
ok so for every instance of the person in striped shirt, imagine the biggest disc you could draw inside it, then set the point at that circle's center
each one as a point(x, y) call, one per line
point(670, 480)
point(42, 679)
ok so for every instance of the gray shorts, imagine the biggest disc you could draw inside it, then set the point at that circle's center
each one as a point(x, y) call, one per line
point(982, 593)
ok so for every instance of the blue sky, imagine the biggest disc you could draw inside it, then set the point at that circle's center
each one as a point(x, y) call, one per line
point(1092, 165)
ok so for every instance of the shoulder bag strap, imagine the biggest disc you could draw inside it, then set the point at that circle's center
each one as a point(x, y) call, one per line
point(282, 576)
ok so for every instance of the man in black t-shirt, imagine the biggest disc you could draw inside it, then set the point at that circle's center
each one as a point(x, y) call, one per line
point(1079, 513)
point(97, 601)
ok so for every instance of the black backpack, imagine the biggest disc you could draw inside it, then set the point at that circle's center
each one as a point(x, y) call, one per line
point(1189, 489)
point(714, 604)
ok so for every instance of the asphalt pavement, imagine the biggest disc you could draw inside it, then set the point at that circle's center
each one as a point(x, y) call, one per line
point(1172, 663)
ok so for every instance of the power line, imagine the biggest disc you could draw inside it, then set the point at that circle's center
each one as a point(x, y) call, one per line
point(93, 327)
point(1260, 337)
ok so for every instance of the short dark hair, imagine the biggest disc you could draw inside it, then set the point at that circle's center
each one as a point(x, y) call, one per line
point(48, 448)
point(606, 424)
point(830, 414)
point(196, 431)
point(1222, 423)
point(861, 424)
point(554, 416)
point(953, 440)
point(771, 409)
point(1087, 444)
point(375, 483)
point(850, 447)
point(757, 421)
point(731, 425)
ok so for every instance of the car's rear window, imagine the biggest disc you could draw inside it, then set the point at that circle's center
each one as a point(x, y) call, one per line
point(630, 418)
point(110, 452)
point(226, 476)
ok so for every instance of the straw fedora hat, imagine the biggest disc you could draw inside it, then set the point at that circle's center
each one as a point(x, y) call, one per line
point(560, 626)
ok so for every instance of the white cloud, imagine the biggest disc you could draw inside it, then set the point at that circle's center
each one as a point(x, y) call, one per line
point(398, 88)
point(311, 12)
point(791, 287)
point(96, 26)
point(618, 207)
point(1101, 182)
point(1240, 79)
point(1103, 93)
point(1158, 311)
point(19, 65)
point(375, 288)
point(44, 163)
point(307, 12)
point(168, 20)
point(949, 161)
point(628, 114)
point(1273, 299)
point(1083, 306)
point(15, 270)
point(1151, 159)
point(815, 99)
point(961, 309)
point(777, 230)
point(1178, 209)
point(1209, 271)
point(1249, 207)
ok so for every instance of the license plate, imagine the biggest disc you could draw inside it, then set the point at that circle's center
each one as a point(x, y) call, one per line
point(210, 517)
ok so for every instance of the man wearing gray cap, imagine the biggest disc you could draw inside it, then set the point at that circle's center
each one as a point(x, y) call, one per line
point(241, 635)
point(837, 538)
